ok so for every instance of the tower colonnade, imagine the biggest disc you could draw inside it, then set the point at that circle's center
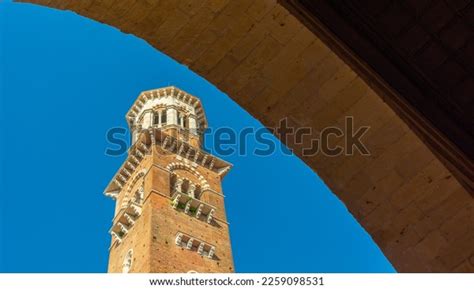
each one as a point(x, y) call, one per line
point(166, 108)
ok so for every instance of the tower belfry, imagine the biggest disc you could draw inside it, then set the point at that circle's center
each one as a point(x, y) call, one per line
point(169, 214)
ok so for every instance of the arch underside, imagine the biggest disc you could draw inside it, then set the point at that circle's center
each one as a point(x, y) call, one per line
point(274, 67)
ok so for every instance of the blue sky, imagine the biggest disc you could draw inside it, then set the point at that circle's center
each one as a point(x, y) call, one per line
point(64, 81)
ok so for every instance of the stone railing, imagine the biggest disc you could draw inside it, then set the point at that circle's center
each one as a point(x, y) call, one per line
point(192, 206)
point(193, 244)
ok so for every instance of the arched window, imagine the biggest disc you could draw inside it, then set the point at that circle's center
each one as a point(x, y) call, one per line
point(179, 116)
point(163, 117)
point(156, 118)
point(185, 122)
point(138, 197)
point(127, 262)
point(182, 120)
point(185, 186)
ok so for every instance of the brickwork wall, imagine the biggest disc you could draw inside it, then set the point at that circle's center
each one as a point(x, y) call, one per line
point(152, 238)
point(167, 257)
point(269, 63)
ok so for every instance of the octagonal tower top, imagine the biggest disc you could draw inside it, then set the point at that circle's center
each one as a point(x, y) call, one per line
point(170, 109)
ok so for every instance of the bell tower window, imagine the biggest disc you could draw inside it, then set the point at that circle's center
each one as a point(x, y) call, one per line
point(163, 117)
point(159, 117)
point(185, 122)
point(180, 117)
point(156, 118)
point(138, 197)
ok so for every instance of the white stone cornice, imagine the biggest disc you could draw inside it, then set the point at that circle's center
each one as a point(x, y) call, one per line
point(139, 154)
point(211, 164)
point(131, 165)
point(134, 159)
point(188, 153)
point(196, 156)
point(112, 195)
point(208, 161)
point(122, 178)
point(127, 173)
point(190, 158)
point(143, 147)
point(204, 159)
point(118, 183)
point(212, 191)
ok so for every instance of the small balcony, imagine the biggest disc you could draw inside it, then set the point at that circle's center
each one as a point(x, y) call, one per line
point(193, 207)
point(193, 244)
point(124, 220)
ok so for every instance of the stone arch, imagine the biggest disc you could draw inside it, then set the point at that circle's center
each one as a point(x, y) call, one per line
point(417, 212)
point(128, 193)
point(183, 166)
point(127, 261)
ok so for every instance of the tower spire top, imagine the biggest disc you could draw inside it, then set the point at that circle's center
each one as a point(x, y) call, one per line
point(167, 108)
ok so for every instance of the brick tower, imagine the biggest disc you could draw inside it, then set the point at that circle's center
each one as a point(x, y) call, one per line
point(169, 214)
